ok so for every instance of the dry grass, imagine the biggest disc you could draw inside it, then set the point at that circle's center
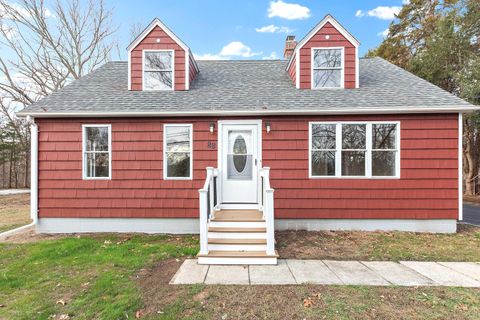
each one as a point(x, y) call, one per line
point(14, 211)
point(164, 301)
point(461, 246)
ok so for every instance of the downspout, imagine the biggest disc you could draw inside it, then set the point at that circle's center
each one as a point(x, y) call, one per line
point(33, 179)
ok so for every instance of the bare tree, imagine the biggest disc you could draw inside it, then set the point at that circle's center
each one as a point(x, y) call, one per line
point(43, 48)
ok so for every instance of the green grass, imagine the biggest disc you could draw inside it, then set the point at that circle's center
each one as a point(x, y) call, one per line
point(92, 274)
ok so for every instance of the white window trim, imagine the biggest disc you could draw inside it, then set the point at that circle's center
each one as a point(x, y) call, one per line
point(173, 69)
point(165, 126)
point(84, 149)
point(342, 73)
point(368, 154)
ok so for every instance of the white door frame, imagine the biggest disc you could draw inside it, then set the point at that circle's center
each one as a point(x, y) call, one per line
point(221, 123)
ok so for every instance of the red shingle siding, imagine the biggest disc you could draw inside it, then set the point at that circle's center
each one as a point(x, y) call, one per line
point(150, 43)
point(336, 40)
point(137, 188)
point(427, 189)
point(292, 71)
point(193, 70)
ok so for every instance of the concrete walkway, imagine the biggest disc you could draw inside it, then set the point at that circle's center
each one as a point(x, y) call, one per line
point(327, 272)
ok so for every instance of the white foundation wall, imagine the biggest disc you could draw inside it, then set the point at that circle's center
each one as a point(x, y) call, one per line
point(191, 226)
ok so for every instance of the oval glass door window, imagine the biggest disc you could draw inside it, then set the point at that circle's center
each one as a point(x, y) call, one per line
point(239, 154)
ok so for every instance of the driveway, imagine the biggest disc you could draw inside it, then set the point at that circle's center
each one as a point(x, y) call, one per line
point(8, 192)
point(471, 213)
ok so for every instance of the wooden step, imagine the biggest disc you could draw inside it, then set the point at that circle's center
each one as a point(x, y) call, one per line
point(239, 230)
point(237, 241)
point(238, 254)
point(239, 215)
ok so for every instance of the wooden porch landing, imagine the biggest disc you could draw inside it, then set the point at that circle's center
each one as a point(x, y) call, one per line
point(239, 215)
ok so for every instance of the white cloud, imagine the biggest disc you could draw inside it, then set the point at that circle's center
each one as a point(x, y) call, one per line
point(237, 48)
point(208, 56)
point(233, 49)
point(273, 29)
point(384, 33)
point(359, 14)
point(272, 56)
point(289, 11)
point(384, 13)
point(21, 10)
point(404, 2)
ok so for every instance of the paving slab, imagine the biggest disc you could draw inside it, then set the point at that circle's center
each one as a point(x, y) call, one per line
point(270, 274)
point(312, 271)
point(398, 274)
point(469, 269)
point(355, 273)
point(227, 274)
point(190, 272)
point(441, 275)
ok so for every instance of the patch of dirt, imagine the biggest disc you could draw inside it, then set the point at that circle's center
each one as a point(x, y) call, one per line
point(154, 285)
point(356, 245)
point(29, 235)
point(323, 244)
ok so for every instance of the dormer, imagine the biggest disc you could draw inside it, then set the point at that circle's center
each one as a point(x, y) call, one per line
point(159, 61)
point(326, 58)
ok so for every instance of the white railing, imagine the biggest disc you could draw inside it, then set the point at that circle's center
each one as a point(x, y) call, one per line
point(268, 209)
point(208, 201)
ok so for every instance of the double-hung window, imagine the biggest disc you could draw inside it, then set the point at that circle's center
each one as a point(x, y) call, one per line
point(177, 157)
point(158, 69)
point(354, 149)
point(327, 68)
point(97, 151)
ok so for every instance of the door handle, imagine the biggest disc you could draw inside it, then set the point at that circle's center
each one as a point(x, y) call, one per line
point(255, 162)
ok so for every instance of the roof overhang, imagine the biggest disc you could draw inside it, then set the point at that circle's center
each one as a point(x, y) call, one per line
point(157, 23)
point(233, 113)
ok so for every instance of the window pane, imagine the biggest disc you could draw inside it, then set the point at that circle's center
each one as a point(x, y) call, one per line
point(97, 138)
point(384, 136)
point(383, 163)
point(178, 138)
point(327, 58)
point(97, 165)
point(326, 78)
point(353, 163)
point(323, 136)
point(158, 60)
point(323, 163)
point(353, 136)
point(158, 80)
point(178, 164)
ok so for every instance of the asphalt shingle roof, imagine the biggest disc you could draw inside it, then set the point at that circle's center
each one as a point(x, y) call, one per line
point(247, 86)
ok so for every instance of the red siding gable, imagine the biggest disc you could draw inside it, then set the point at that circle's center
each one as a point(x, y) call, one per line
point(157, 37)
point(150, 43)
point(328, 34)
point(336, 39)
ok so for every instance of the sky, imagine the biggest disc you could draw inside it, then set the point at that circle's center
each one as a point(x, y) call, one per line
point(253, 29)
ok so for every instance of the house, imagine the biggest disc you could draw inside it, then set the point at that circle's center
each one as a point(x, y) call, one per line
point(235, 150)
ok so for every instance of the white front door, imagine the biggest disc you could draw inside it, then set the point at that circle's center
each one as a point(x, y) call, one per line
point(240, 161)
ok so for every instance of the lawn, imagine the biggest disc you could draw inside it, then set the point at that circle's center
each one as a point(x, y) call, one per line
point(14, 211)
point(126, 276)
point(107, 276)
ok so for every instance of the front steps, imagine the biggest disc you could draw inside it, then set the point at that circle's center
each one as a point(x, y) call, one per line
point(237, 237)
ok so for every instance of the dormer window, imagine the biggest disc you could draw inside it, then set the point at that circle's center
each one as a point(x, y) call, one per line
point(158, 69)
point(327, 68)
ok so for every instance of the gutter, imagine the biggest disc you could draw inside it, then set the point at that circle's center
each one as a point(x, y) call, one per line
point(342, 111)
point(33, 179)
